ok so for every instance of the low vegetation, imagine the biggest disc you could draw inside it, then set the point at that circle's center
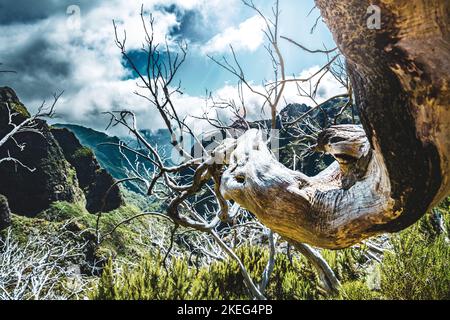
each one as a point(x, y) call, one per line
point(416, 265)
point(130, 263)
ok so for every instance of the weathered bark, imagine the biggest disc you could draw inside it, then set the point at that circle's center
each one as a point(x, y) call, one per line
point(337, 208)
point(382, 183)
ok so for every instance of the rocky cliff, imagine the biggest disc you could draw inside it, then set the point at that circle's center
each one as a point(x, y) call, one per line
point(53, 179)
point(58, 174)
point(96, 182)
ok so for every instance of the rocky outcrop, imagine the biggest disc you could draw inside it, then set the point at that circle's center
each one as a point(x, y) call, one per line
point(5, 213)
point(53, 179)
point(64, 170)
point(97, 183)
point(110, 157)
point(101, 197)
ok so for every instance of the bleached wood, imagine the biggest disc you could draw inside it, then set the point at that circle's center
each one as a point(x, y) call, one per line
point(382, 182)
point(334, 209)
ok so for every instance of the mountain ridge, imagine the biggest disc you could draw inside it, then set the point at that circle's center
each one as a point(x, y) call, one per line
point(55, 176)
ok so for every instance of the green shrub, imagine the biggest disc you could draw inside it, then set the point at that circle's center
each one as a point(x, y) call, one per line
point(62, 211)
point(346, 263)
point(418, 268)
point(357, 290)
point(148, 281)
point(82, 153)
point(19, 108)
point(127, 241)
point(221, 280)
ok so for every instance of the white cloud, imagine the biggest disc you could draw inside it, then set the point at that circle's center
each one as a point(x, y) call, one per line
point(86, 63)
point(88, 103)
point(328, 88)
point(218, 14)
point(83, 62)
point(247, 36)
point(88, 66)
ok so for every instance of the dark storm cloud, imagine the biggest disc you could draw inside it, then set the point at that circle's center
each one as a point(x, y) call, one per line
point(37, 57)
point(38, 68)
point(26, 11)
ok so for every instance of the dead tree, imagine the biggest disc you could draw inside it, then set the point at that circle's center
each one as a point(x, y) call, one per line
point(387, 173)
point(391, 171)
point(180, 186)
point(42, 268)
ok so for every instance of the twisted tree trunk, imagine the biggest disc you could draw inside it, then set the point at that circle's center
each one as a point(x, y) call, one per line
point(391, 171)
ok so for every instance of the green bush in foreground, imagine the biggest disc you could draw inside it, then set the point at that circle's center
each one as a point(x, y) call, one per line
point(417, 268)
point(357, 290)
point(221, 280)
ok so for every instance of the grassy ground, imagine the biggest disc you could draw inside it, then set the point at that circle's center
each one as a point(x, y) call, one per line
point(415, 266)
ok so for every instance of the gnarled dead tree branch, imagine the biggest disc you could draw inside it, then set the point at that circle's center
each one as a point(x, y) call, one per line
point(387, 173)
point(387, 181)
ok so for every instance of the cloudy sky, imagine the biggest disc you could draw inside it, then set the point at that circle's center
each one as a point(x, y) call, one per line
point(56, 45)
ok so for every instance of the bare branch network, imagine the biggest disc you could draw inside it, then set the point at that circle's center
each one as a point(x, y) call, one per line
point(230, 188)
point(193, 191)
point(40, 269)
